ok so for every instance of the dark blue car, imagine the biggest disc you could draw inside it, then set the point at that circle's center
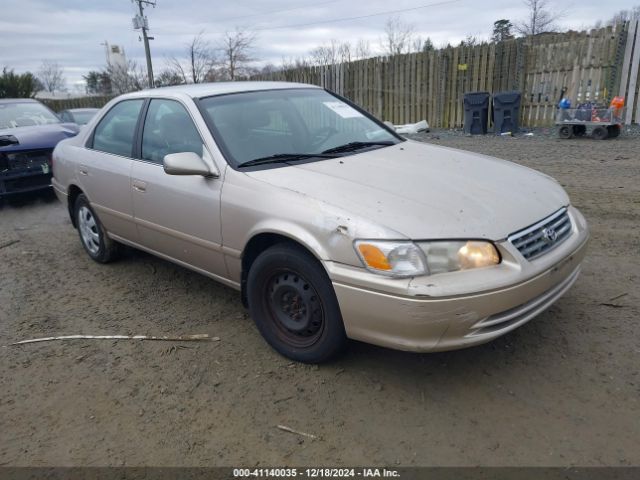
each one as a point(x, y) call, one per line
point(28, 133)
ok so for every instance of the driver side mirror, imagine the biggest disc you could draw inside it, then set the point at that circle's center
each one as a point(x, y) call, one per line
point(187, 163)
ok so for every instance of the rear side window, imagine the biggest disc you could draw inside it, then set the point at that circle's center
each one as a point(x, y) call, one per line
point(116, 131)
point(168, 128)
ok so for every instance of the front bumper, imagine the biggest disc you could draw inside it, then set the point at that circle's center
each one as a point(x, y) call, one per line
point(23, 182)
point(427, 314)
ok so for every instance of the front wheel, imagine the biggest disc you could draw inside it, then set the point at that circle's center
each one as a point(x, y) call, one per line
point(92, 234)
point(600, 133)
point(293, 304)
point(614, 131)
point(565, 132)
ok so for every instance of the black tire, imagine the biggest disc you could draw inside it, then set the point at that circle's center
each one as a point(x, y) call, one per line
point(614, 131)
point(565, 132)
point(293, 304)
point(600, 133)
point(579, 130)
point(93, 236)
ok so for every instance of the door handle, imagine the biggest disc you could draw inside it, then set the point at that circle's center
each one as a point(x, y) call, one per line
point(139, 186)
point(83, 170)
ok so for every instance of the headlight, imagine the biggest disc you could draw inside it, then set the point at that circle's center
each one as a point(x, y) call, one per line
point(407, 259)
point(450, 256)
point(397, 259)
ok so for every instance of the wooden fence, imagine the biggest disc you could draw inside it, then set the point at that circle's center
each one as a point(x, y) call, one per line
point(60, 104)
point(583, 66)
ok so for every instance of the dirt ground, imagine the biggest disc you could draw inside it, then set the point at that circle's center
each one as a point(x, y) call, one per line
point(562, 390)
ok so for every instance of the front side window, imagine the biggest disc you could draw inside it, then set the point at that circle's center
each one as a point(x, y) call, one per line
point(168, 128)
point(116, 131)
point(255, 125)
point(25, 114)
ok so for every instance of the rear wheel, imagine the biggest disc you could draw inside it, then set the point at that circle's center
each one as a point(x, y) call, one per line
point(293, 304)
point(613, 131)
point(565, 132)
point(92, 234)
point(600, 133)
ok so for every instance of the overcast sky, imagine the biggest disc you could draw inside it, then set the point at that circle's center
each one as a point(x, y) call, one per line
point(71, 31)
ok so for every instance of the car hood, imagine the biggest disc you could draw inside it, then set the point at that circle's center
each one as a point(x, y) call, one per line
point(38, 136)
point(427, 192)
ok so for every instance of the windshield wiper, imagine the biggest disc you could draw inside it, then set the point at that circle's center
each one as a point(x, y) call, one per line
point(283, 158)
point(352, 146)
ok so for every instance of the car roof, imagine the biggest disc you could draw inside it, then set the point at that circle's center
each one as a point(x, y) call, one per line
point(200, 90)
point(18, 100)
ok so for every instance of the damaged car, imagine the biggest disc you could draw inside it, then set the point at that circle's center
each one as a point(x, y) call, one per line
point(330, 224)
point(29, 131)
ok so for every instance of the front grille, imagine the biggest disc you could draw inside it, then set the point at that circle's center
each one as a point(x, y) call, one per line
point(24, 160)
point(543, 236)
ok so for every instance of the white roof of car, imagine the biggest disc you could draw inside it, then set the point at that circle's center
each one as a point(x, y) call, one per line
point(199, 90)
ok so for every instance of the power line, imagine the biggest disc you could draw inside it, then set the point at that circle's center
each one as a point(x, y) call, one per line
point(346, 19)
point(277, 11)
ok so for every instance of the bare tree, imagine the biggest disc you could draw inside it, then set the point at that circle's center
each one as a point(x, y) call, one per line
point(199, 59)
point(126, 78)
point(363, 49)
point(331, 53)
point(470, 41)
point(51, 76)
point(539, 18)
point(167, 78)
point(625, 15)
point(236, 47)
point(399, 36)
point(336, 52)
point(268, 69)
point(293, 63)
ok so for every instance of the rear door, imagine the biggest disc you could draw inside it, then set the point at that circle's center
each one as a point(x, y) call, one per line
point(176, 216)
point(104, 171)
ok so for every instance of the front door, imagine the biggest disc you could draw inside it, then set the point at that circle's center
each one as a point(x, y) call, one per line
point(176, 216)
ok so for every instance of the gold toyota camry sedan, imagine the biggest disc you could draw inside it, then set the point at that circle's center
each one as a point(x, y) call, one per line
point(329, 224)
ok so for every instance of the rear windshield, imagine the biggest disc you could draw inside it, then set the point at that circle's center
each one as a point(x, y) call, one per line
point(82, 118)
point(253, 125)
point(25, 114)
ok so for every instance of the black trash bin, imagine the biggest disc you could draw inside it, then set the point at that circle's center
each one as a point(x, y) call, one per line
point(476, 112)
point(506, 112)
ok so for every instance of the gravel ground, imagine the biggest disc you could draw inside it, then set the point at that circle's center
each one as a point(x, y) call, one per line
point(562, 390)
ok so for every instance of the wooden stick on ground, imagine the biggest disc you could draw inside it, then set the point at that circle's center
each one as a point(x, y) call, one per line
point(180, 338)
point(296, 432)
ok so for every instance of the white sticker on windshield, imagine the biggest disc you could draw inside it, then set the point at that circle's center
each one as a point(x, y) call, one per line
point(342, 109)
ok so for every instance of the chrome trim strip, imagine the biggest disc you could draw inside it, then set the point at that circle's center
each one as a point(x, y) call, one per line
point(534, 246)
point(185, 237)
point(109, 211)
point(516, 235)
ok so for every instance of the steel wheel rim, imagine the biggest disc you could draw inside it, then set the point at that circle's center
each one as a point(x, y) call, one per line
point(294, 307)
point(88, 230)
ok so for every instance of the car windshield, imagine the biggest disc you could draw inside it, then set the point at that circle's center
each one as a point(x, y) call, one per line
point(82, 118)
point(25, 114)
point(290, 122)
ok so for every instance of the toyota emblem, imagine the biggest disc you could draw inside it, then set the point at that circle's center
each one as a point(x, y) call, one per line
point(549, 235)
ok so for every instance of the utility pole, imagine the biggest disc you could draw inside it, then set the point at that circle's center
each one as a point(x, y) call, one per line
point(140, 23)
